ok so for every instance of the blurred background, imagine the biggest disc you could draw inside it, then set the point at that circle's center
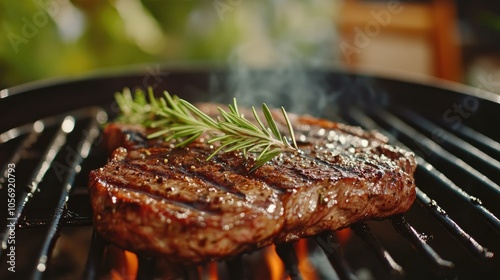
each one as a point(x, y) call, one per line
point(454, 40)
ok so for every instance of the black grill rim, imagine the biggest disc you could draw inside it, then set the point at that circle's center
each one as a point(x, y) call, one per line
point(42, 92)
point(73, 92)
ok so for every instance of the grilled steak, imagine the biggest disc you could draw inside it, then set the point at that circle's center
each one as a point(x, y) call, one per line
point(158, 200)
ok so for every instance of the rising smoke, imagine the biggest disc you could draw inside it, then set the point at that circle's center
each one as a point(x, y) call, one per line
point(282, 41)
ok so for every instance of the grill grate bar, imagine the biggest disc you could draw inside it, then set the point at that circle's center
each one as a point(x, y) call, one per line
point(363, 231)
point(287, 254)
point(70, 218)
point(21, 149)
point(94, 257)
point(65, 221)
point(16, 132)
point(479, 138)
point(82, 152)
point(191, 273)
point(453, 140)
point(472, 201)
point(455, 230)
point(25, 145)
point(52, 121)
point(37, 175)
point(475, 203)
point(406, 230)
point(334, 253)
point(436, 149)
point(146, 268)
point(445, 189)
point(235, 268)
point(431, 206)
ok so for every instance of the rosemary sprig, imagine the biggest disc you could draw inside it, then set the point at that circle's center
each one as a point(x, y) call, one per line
point(175, 118)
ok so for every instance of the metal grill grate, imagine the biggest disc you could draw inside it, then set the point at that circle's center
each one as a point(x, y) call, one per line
point(457, 209)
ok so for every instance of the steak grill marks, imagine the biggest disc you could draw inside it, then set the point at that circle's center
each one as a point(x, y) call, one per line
point(325, 186)
point(19, 141)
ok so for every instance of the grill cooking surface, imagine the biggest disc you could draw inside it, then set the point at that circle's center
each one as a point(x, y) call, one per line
point(452, 230)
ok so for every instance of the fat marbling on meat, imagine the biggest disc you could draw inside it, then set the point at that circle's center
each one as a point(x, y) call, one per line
point(159, 200)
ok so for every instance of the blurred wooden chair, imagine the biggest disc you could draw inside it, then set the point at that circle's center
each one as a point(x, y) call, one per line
point(419, 37)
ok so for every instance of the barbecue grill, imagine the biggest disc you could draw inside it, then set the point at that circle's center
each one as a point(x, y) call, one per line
point(50, 139)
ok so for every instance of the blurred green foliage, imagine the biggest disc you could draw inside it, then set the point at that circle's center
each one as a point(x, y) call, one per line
point(54, 38)
point(61, 38)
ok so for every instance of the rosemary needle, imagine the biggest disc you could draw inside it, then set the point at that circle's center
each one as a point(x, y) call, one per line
point(175, 118)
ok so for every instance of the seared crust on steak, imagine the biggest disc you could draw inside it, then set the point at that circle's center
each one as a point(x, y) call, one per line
point(158, 200)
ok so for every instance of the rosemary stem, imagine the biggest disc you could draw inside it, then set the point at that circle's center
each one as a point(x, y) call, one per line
point(175, 118)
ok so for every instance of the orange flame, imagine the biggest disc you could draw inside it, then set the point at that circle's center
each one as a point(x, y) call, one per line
point(123, 264)
point(274, 263)
point(305, 267)
point(212, 271)
point(343, 235)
